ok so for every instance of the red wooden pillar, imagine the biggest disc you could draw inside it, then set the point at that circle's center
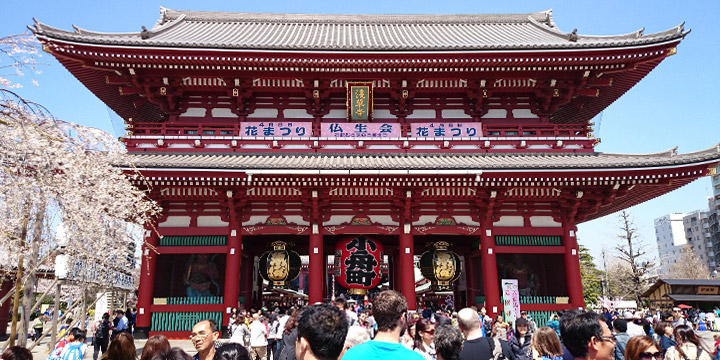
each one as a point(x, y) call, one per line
point(147, 282)
point(470, 282)
point(406, 269)
point(490, 274)
point(5, 308)
point(232, 271)
point(316, 268)
point(572, 266)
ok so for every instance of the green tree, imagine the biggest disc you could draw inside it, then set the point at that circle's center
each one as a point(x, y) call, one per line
point(591, 276)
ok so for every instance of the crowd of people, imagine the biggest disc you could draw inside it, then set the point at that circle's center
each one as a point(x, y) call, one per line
point(385, 329)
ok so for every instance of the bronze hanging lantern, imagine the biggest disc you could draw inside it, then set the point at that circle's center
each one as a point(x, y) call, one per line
point(441, 266)
point(279, 266)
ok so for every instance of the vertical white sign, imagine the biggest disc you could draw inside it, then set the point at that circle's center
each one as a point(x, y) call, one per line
point(511, 299)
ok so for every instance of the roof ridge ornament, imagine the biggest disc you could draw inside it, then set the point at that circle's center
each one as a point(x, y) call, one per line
point(640, 32)
point(573, 35)
point(144, 34)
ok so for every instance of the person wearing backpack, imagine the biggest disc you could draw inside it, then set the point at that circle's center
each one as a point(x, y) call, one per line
point(688, 346)
point(76, 349)
point(102, 336)
point(476, 346)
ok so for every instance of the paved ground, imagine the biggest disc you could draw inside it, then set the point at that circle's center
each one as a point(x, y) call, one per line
point(40, 352)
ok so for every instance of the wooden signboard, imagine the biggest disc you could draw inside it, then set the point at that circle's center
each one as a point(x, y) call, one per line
point(707, 290)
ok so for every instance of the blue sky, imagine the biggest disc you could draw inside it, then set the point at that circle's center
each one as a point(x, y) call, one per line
point(675, 105)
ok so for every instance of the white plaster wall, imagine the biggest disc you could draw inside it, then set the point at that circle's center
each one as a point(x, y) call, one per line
point(296, 219)
point(338, 219)
point(211, 221)
point(383, 114)
point(424, 219)
point(254, 220)
point(495, 114)
point(422, 114)
point(510, 221)
point(455, 114)
point(467, 220)
point(523, 114)
point(297, 114)
point(264, 113)
point(222, 113)
point(336, 114)
point(382, 219)
point(176, 221)
point(193, 112)
point(544, 221)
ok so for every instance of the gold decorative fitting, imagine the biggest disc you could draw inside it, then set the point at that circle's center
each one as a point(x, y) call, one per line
point(130, 120)
point(279, 245)
point(556, 93)
point(712, 171)
point(129, 133)
point(120, 90)
point(236, 92)
point(405, 94)
point(316, 94)
point(357, 291)
point(484, 93)
point(129, 126)
point(163, 91)
point(441, 245)
point(46, 48)
point(597, 141)
point(671, 51)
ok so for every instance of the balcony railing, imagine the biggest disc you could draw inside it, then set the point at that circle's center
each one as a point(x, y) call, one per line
point(524, 240)
point(180, 321)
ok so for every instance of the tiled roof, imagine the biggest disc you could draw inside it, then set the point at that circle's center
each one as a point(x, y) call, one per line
point(409, 161)
point(695, 298)
point(202, 29)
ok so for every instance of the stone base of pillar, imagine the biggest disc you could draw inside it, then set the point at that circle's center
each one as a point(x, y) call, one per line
point(141, 332)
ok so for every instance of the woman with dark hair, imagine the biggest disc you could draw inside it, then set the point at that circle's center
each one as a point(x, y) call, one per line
point(121, 348)
point(424, 339)
point(240, 333)
point(273, 345)
point(688, 346)
point(175, 353)
point(642, 348)
point(546, 344)
point(287, 351)
point(156, 344)
point(664, 329)
point(16, 353)
point(520, 343)
point(231, 351)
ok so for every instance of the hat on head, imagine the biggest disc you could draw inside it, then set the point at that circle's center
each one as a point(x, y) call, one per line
point(627, 315)
point(520, 321)
point(637, 315)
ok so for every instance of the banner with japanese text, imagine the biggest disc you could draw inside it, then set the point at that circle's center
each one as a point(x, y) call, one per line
point(359, 100)
point(439, 129)
point(276, 128)
point(360, 130)
point(511, 299)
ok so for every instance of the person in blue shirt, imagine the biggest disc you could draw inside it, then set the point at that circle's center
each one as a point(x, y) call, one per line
point(390, 311)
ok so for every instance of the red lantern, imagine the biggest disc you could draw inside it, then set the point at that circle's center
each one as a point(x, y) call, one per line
point(357, 264)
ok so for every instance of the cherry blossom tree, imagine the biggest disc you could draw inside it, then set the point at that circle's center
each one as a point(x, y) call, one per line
point(55, 172)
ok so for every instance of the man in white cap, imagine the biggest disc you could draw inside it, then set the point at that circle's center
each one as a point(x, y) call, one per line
point(633, 329)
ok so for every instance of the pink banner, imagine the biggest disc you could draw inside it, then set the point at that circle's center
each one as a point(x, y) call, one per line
point(276, 128)
point(439, 129)
point(361, 130)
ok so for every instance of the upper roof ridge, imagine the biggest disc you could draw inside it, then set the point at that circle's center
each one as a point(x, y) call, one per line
point(212, 16)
